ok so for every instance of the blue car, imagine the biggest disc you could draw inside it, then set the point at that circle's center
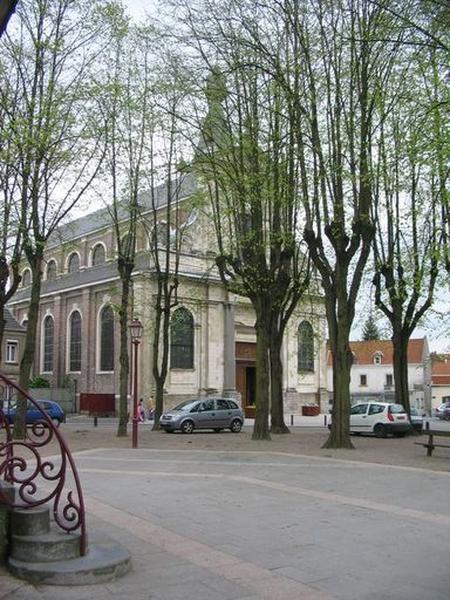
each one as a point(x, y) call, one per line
point(53, 410)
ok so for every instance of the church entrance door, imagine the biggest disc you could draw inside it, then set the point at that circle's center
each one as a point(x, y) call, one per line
point(246, 376)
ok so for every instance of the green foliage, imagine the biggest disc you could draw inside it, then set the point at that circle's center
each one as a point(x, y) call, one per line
point(39, 382)
point(370, 329)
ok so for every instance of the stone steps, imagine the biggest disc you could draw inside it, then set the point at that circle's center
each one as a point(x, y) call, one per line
point(40, 552)
point(105, 561)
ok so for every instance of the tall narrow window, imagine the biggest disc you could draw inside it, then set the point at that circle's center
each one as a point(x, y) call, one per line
point(26, 277)
point(12, 351)
point(73, 264)
point(107, 339)
point(182, 340)
point(98, 255)
point(51, 270)
point(75, 342)
point(305, 354)
point(47, 363)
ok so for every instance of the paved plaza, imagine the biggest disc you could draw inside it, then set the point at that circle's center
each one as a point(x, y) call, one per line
point(218, 517)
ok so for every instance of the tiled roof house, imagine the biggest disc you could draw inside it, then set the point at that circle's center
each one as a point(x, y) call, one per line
point(372, 374)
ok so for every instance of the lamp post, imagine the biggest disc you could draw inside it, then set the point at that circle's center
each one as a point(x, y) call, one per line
point(136, 330)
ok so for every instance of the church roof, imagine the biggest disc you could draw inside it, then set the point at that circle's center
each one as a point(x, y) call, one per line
point(100, 219)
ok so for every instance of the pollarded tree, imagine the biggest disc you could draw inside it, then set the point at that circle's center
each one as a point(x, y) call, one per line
point(47, 58)
point(339, 60)
point(247, 162)
point(407, 246)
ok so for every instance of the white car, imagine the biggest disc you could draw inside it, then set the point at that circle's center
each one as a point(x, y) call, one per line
point(379, 418)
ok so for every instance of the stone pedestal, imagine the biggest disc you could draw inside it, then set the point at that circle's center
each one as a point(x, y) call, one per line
point(7, 497)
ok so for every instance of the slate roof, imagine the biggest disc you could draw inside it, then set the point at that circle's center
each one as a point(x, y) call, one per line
point(11, 323)
point(81, 227)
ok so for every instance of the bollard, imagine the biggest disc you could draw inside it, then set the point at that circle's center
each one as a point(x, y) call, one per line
point(292, 419)
point(95, 421)
point(324, 420)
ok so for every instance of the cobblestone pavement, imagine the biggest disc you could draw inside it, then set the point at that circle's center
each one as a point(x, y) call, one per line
point(220, 517)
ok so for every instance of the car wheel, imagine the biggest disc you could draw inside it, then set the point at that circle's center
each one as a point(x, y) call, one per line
point(236, 426)
point(380, 431)
point(217, 429)
point(187, 427)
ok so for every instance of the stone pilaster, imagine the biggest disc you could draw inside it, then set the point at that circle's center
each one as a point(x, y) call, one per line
point(229, 359)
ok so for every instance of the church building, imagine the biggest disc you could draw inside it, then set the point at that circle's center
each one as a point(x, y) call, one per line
point(213, 340)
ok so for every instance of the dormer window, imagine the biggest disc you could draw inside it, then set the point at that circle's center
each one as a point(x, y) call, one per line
point(377, 357)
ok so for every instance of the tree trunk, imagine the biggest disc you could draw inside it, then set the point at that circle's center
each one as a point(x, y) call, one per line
point(276, 386)
point(261, 426)
point(124, 358)
point(28, 356)
point(340, 428)
point(400, 359)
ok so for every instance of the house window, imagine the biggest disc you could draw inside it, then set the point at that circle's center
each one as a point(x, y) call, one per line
point(107, 339)
point(75, 342)
point(389, 379)
point(73, 264)
point(182, 340)
point(47, 363)
point(12, 351)
point(363, 380)
point(98, 255)
point(377, 359)
point(305, 351)
point(51, 270)
point(26, 278)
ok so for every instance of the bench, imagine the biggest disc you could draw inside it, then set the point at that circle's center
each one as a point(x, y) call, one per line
point(431, 433)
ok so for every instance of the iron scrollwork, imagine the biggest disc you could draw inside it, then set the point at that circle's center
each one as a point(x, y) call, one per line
point(39, 479)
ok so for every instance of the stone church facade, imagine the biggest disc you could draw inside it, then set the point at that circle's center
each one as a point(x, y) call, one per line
point(213, 340)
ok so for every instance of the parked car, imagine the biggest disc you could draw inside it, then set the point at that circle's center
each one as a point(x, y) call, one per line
point(204, 413)
point(379, 418)
point(53, 410)
point(440, 410)
point(416, 419)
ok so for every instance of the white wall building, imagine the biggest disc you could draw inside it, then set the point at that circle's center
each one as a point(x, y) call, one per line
point(372, 373)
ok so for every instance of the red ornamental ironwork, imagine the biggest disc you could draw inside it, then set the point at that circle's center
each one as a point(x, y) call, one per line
point(38, 479)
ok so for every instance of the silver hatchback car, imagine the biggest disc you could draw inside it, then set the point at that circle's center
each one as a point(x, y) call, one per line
point(203, 413)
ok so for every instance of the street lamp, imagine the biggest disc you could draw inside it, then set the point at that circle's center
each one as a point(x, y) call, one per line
point(136, 330)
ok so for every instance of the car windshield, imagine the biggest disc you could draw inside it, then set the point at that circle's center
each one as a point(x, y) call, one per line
point(395, 409)
point(186, 406)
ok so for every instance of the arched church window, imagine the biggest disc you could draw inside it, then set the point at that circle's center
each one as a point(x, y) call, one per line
point(75, 342)
point(98, 255)
point(182, 339)
point(51, 270)
point(305, 354)
point(107, 339)
point(48, 344)
point(73, 264)
point(26, 278)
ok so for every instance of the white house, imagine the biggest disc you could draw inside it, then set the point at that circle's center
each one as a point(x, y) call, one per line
point(372, 373)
